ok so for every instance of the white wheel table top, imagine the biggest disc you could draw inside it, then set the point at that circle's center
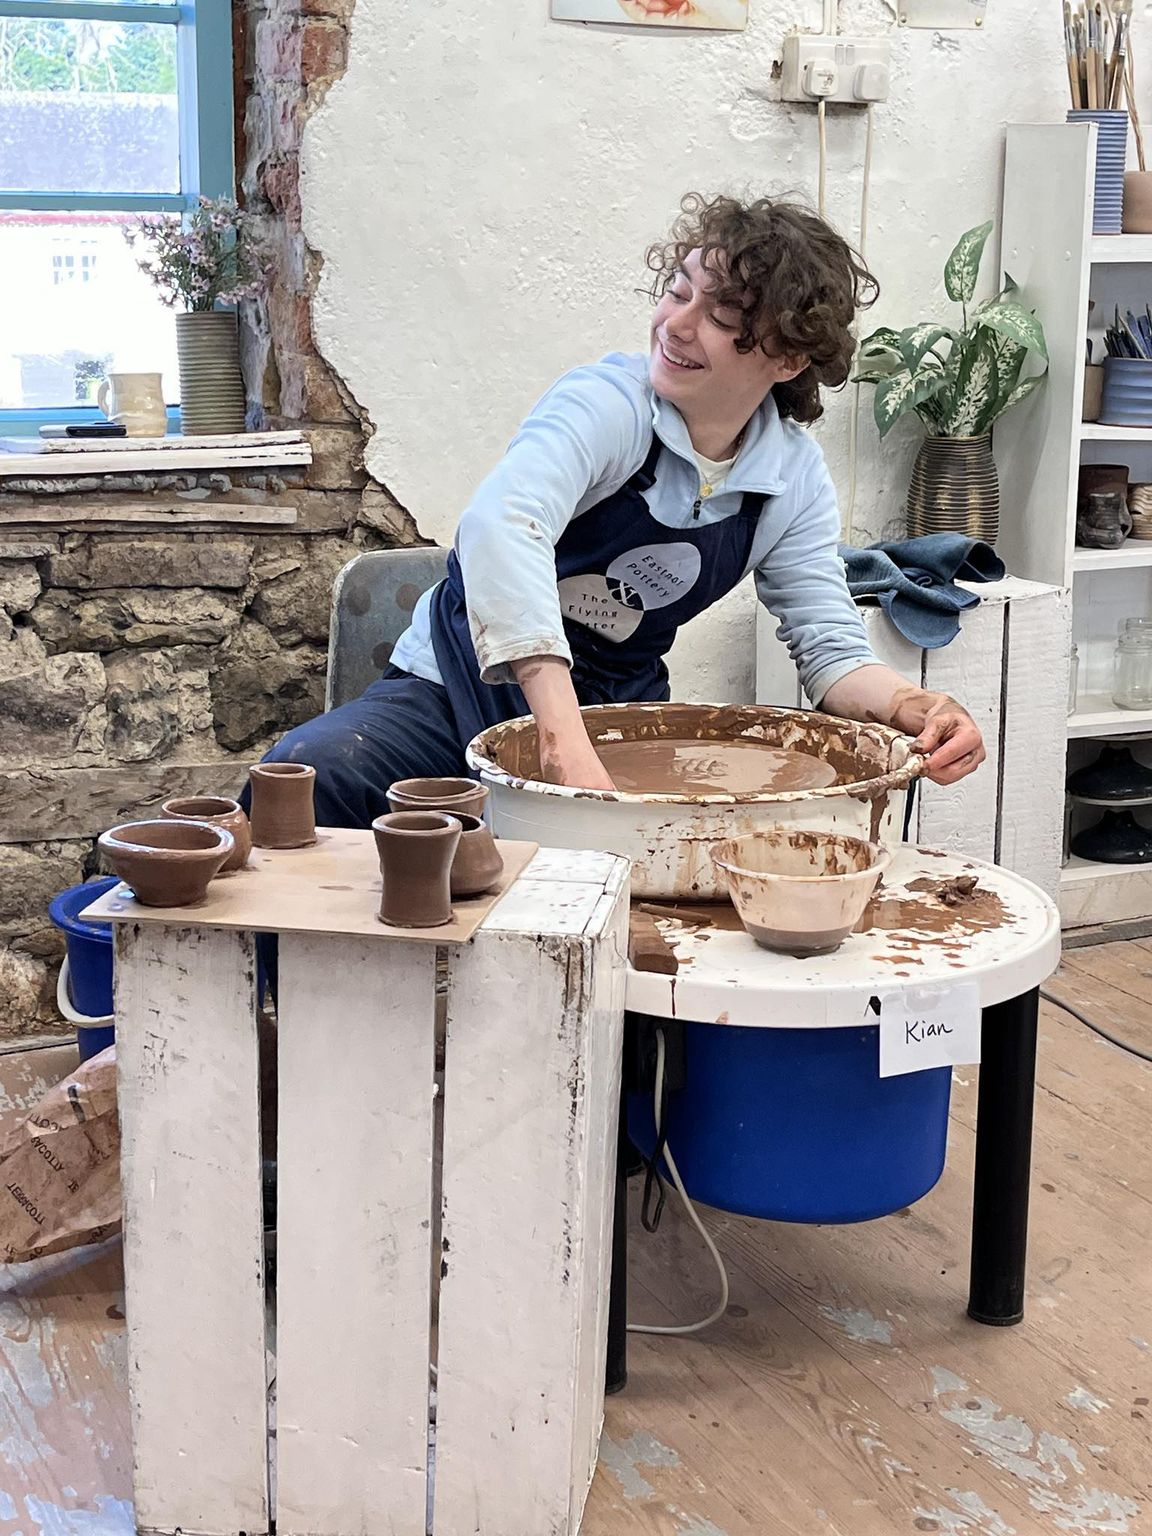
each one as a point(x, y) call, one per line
point(1005, 937)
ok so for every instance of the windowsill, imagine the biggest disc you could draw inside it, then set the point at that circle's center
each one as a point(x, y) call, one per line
point(84, 457)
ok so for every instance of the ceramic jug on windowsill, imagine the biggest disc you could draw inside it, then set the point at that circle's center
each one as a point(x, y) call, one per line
point(136, 402)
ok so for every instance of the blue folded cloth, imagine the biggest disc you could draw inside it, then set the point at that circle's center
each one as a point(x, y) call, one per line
point(914, 581)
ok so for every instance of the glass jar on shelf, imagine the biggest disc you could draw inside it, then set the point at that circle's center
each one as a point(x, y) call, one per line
point(1073, 679)
point(1132, 680)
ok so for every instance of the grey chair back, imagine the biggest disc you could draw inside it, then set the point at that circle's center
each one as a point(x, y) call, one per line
point(372, 602)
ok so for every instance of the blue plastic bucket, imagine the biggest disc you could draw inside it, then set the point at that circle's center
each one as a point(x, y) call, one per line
point(798, 1124)
point(89, 961)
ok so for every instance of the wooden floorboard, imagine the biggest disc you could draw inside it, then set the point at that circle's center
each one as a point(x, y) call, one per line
point(845, 1393)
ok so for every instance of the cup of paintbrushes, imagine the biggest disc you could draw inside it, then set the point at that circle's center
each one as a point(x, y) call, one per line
point(1111, 162)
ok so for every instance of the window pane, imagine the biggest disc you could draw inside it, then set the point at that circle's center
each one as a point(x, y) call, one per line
point(83, 309)
point(87, 106)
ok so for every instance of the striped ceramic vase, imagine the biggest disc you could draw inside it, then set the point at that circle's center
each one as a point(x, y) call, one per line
point(955, 489)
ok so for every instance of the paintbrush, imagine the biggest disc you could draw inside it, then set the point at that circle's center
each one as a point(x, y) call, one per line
point(1091, 59)
point(1070, 57)
point(1101, 46)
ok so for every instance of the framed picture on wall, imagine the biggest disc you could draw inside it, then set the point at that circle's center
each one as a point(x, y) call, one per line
point(704, 15)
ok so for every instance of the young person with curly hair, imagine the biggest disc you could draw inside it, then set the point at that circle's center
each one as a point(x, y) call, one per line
point(638, 492)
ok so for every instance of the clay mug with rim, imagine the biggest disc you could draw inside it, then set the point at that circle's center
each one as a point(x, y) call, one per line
point(136, 402)
point(416, 851)
point(478, 864)
point(167, 863)
point(283, 814)
point(461, 796)
point(221, 812)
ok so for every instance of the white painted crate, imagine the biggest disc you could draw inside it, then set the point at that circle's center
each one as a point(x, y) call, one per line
point(1008, 666)
point(532, 1076)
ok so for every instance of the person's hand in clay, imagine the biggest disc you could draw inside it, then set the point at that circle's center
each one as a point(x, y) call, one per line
point(638, 492)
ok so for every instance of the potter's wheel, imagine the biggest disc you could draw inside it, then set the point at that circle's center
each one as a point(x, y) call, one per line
point(689, 766)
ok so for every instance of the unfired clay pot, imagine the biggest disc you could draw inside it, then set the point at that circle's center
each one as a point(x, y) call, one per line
point(282, 810)
point(221, 812)
point(167, 863)
point(462, 796)
point(1138, 203)
point(416, 850)
point(477, 865)
point(800, 892)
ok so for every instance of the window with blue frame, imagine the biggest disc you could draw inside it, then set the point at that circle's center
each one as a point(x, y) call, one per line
point(108, 109)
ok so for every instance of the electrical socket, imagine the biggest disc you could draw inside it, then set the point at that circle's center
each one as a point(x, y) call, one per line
point(852, 71)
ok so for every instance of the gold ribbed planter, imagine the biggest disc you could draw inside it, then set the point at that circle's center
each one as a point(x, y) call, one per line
point(211, 388)
point(955, 489)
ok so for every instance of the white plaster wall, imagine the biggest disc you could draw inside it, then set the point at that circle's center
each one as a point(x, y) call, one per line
point(483, 181)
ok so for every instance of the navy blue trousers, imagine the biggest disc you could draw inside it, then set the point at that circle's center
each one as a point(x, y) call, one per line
point(401, 727)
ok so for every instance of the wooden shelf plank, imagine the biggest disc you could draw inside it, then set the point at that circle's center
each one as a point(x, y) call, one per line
point(1101, 432)
point(1096, 715)
point(1136, 552)
point(1128, 248)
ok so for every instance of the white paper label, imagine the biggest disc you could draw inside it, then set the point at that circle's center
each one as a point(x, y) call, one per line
point(930, 1027)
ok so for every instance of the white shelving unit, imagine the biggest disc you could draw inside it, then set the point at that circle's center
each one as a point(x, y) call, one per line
point(1049, 249)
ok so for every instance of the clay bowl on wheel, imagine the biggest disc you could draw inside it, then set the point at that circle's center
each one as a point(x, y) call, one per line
point(798, 892)
point(167, 863)
point(462, 797)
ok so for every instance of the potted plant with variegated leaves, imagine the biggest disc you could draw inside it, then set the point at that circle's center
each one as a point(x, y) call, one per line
point(959, 381)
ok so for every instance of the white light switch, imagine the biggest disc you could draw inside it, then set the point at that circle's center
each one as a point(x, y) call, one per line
point(849, 70)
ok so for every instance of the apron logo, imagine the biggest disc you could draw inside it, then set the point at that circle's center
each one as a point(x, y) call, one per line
point(638, 582)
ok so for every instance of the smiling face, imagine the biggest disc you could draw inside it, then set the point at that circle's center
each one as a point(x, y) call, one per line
point(693, 362)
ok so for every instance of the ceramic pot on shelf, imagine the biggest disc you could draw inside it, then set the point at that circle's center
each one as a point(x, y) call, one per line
point(220, 812)
point(136, 402)
point(1117, 838)
point(211, 385)
point(1138, 203)
point(416, 851)
point(1093, 391)
point(1104, 522)
point(478, 863)
point(1115, 775)
point(283, 814)
point(167, 863)
point(955, 489)
point(1111, 158)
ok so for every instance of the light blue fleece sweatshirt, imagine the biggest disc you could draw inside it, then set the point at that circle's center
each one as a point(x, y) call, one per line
point(583, 440)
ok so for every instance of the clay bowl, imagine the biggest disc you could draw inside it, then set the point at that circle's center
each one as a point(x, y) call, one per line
point(478, 864)
point(167, 863)
point(462, 797)
point(799, 892)
point(221, 812)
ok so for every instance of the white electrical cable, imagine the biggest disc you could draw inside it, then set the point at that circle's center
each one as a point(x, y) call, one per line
point(854, 416)
point(722, 1307)
point(822, 179)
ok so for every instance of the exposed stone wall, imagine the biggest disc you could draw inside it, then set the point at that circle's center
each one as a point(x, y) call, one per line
point(139, 662)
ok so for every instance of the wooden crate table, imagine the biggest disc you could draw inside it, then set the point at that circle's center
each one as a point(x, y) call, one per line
point(531, 1089)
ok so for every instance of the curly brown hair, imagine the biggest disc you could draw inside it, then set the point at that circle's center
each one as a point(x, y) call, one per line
point(796, 281)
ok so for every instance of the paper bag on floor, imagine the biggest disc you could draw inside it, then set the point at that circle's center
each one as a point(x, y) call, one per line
point(60, 1167)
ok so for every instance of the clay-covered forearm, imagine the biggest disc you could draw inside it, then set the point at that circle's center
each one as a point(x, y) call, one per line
point(879, 694)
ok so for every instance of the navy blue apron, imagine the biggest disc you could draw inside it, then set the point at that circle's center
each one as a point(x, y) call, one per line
point(626, 584)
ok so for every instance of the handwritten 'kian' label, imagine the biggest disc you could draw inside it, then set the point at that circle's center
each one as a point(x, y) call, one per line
point(930, 1027)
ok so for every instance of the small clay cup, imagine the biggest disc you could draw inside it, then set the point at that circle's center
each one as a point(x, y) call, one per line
point(463, 797)
point(221, 813)
point(416, 851)
point(1137, 203)
point(477, 865)
point(1093, 391)
point(282, 813)
point(167, 863)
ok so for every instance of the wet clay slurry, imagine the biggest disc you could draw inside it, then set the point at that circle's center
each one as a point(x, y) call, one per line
point(283, 813)
point(693, 767)
point(167, 863)
point(934, 915)
point(221, 813)
point(416, 851)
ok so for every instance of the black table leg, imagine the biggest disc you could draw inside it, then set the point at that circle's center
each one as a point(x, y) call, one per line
point(616, 1375)
point(1003, 1160)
